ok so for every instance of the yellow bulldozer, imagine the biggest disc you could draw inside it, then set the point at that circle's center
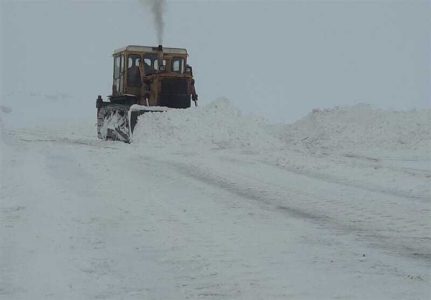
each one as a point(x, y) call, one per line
point(145, 80)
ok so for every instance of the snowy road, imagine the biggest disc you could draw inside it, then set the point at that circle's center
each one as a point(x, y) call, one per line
point(325, 208)
point(83, 219)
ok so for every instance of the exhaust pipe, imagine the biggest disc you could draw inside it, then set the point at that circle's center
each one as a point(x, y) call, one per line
point(160, 58)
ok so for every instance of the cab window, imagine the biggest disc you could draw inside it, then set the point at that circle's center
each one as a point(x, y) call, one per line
point(122, 64)
point(178, 65)
point(134, 60)
point(156, 64)
point(117, 67)
point(133, 72)
point(150, 64)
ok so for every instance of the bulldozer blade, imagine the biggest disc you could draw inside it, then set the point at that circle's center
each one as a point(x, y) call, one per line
point(113, 123)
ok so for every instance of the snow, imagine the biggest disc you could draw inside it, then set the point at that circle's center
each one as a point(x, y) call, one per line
point(218, 125)
point(137, 107)
point(210, 203)
point(362, 129)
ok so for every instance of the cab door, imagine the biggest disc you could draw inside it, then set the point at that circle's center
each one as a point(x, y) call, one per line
point(118, 76)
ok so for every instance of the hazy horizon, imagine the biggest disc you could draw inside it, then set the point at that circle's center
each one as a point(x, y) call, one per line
point(277, 59)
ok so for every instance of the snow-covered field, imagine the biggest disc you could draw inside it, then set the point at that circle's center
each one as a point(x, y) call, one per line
point(208, 203)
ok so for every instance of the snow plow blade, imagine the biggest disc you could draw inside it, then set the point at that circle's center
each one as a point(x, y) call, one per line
point(117, 121)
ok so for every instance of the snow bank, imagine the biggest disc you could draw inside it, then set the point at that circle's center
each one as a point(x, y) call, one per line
point(216, 125)
point(361, 128)
point(358, 129)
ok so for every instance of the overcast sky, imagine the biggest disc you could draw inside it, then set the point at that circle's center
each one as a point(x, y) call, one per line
point(278, 59)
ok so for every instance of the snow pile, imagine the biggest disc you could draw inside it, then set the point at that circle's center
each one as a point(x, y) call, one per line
point(361, 128)
point(216, 125)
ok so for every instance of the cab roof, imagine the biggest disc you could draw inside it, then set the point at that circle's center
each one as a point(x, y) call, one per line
point(136, 48)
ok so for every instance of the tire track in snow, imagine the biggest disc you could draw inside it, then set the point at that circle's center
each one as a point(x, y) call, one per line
point(344, 181)
point(381, 229)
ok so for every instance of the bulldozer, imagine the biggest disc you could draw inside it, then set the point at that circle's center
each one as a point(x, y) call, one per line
point(145, 80)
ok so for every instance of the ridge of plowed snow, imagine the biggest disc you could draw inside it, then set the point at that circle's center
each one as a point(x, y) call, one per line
point(361, 128)
point(216, 125)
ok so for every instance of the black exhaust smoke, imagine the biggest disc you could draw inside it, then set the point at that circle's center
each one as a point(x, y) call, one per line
point(158, 9)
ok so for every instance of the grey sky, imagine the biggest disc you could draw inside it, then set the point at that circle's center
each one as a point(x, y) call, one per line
point(278, 59)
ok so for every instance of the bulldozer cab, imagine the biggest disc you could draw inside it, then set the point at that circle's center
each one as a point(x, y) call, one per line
point(145, 80)
point(152, 76)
